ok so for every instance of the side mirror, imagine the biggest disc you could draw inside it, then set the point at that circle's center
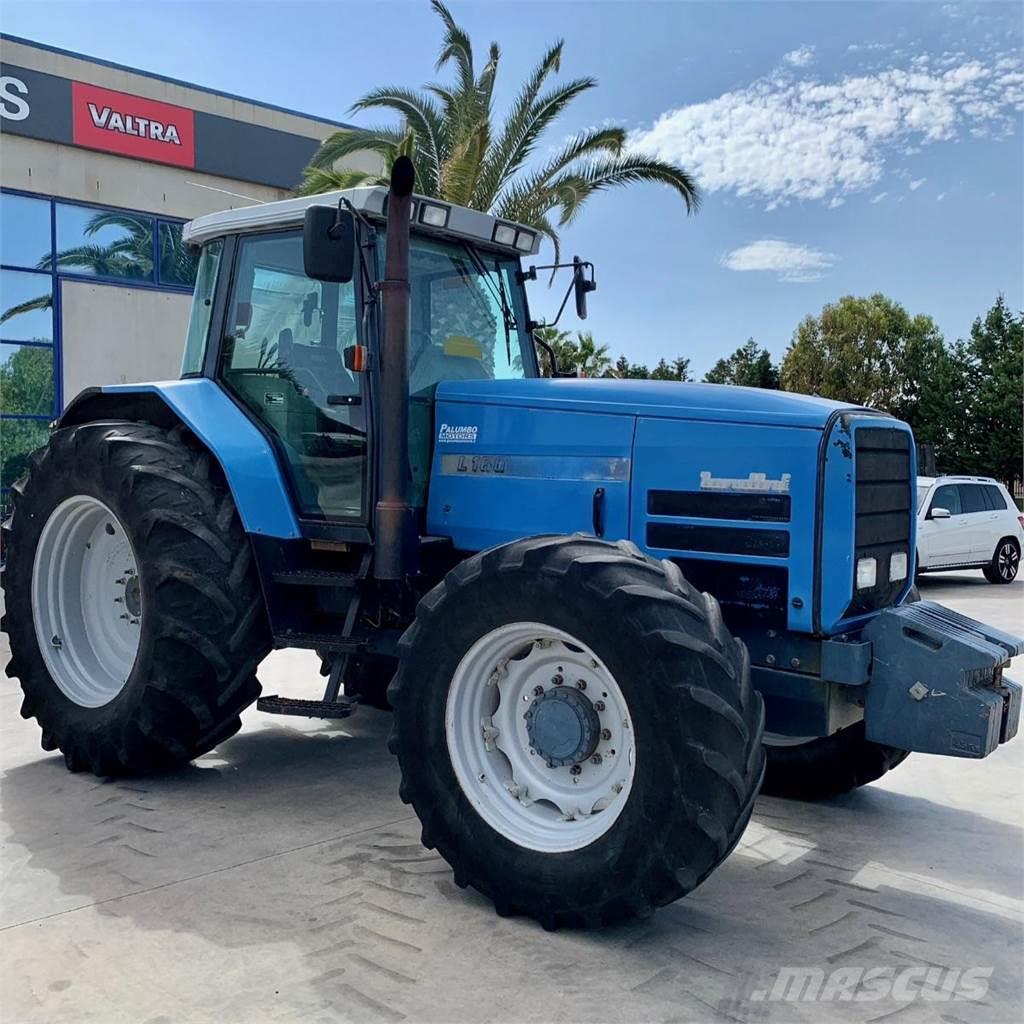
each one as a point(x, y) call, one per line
point(582, 285)
point(939, 513)
point(329, 244)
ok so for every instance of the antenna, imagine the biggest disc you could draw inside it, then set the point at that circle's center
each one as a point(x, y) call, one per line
point(224, 191)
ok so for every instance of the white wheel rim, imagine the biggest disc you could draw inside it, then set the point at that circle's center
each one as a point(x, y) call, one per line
point(500, 678)
point(86, 601)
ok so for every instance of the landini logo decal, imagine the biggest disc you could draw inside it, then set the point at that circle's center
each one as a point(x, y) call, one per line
point(457, 435)
point(755, 482)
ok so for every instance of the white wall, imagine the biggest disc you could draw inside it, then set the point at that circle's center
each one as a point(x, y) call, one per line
point(116, 335)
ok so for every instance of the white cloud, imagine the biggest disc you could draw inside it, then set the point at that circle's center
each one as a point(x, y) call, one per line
point(940, 197)
point(800, 58)
point(786, 138)
point(916, 184)
point(879, 197)
point(790, 262)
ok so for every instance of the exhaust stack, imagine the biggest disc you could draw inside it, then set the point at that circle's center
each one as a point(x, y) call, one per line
point(393, 524)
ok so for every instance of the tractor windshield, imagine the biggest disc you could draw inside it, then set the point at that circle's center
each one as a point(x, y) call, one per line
point(468, 316)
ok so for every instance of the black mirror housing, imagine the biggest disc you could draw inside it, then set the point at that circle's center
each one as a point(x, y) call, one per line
point(329, 244)
point(582, 285)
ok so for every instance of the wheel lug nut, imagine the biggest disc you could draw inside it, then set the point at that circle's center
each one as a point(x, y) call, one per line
point(606, 734)
point(557, 679)
point(575, 770)
point(581, 684)
point(596, 759)
point(538, 690)
point(599, 705)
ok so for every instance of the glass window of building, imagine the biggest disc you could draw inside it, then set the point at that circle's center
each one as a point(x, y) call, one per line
point(26, 307)
point(104, 243)
point(26, 380)
point(177, 260)
point(25, 239)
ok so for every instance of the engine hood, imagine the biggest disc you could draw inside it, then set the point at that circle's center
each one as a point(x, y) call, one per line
point(665, 399)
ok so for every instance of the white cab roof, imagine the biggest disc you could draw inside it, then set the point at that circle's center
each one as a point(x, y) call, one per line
point(461, 223)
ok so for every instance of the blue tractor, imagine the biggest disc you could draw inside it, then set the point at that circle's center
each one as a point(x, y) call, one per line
point(604, 611)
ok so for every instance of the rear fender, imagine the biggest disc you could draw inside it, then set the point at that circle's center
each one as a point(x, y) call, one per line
point(248, 460)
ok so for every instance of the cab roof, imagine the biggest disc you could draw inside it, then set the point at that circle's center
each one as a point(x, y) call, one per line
point(459, 222)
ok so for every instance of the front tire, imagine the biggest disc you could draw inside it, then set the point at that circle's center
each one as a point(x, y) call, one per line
point(1005, 562)
point(609, 713)
point(153, 603)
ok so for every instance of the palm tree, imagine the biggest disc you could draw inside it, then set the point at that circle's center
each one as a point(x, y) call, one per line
point(592, 359)
point(463, 155)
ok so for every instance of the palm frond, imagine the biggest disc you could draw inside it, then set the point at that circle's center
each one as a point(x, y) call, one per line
point(576, 186)
point(29, 306)
point(462, 169)
point(346, 141)
point(316, 180)
point(455, 47)
point(421, 114)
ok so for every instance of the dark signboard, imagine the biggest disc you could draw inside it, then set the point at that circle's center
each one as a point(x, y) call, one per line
point(57, 109)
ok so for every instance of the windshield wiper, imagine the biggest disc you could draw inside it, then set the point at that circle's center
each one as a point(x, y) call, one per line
point(508, 316)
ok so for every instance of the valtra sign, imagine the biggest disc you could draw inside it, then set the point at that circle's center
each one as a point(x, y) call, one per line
point(132, 126)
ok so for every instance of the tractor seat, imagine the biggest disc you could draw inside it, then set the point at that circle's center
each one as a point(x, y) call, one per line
point(317, 368)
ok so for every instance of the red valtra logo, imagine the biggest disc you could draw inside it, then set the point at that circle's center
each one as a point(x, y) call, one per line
point(132, 126)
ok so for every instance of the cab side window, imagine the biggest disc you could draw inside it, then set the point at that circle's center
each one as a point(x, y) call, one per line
point(948, 497)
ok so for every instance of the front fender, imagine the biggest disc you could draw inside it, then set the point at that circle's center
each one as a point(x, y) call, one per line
point(248, 460)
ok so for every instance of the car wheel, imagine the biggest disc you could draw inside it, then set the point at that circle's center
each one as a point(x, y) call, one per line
point(1005, 562)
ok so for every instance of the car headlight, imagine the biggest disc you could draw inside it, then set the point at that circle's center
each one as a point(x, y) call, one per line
point(898, 567)
point(867, 573)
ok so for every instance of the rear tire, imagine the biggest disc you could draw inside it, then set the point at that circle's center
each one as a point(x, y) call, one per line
point(672, 684)
point(200, 615)
point(1005, 562)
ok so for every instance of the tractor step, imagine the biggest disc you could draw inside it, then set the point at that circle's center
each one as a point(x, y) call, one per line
point(316, 578)
point(316, 641)
point(340, 708)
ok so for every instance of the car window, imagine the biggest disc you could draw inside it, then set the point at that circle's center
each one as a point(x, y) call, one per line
point(948, 497)
point(922, 494)
point(995, 497)
point(972, 498)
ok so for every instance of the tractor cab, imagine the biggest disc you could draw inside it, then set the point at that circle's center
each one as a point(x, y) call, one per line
point(302, 355)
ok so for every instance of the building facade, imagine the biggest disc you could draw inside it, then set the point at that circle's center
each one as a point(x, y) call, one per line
point(100, 166)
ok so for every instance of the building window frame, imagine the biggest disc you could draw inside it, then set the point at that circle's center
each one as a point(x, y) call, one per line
point(57, 274)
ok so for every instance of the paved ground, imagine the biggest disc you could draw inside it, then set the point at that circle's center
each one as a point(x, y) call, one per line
point(280, 878)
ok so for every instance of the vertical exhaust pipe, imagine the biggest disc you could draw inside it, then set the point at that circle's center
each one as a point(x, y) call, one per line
point(393, 523)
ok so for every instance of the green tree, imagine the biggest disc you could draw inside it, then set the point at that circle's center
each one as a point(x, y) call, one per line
point(750, 366)
point(631, 371)
point(465, 155)
point(561, 343)
point(591, 359)
point(678, 369)
point(989, 368)
point(869, 351)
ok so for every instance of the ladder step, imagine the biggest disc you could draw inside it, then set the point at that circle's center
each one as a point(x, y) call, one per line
point(340, 708)
point(315, 641)
point(316, 578)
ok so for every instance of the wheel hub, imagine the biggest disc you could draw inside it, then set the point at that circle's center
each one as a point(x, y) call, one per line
point(563, 726)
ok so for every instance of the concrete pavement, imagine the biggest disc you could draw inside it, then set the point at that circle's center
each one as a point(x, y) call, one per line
point(280, 878)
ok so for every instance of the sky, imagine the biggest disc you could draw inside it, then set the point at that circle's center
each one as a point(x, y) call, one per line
point(842, 147)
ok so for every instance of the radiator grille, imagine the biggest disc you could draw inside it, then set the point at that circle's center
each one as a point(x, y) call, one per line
point(884, 506)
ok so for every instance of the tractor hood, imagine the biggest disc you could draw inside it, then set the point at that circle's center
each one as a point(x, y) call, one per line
point(663, 399)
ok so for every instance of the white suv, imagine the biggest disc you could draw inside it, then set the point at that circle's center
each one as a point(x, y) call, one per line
point(968, 522)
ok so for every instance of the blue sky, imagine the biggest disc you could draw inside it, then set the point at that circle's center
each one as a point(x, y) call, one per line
point(843, 147)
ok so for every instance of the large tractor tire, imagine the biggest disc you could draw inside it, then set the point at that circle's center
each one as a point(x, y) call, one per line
point(576, 729)
point(133, 606)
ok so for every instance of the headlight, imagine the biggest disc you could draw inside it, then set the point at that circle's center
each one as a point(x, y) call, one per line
point(525, 240)
point(898, 567)
point(867, 571)
point(504, 234)
point(433, 216)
